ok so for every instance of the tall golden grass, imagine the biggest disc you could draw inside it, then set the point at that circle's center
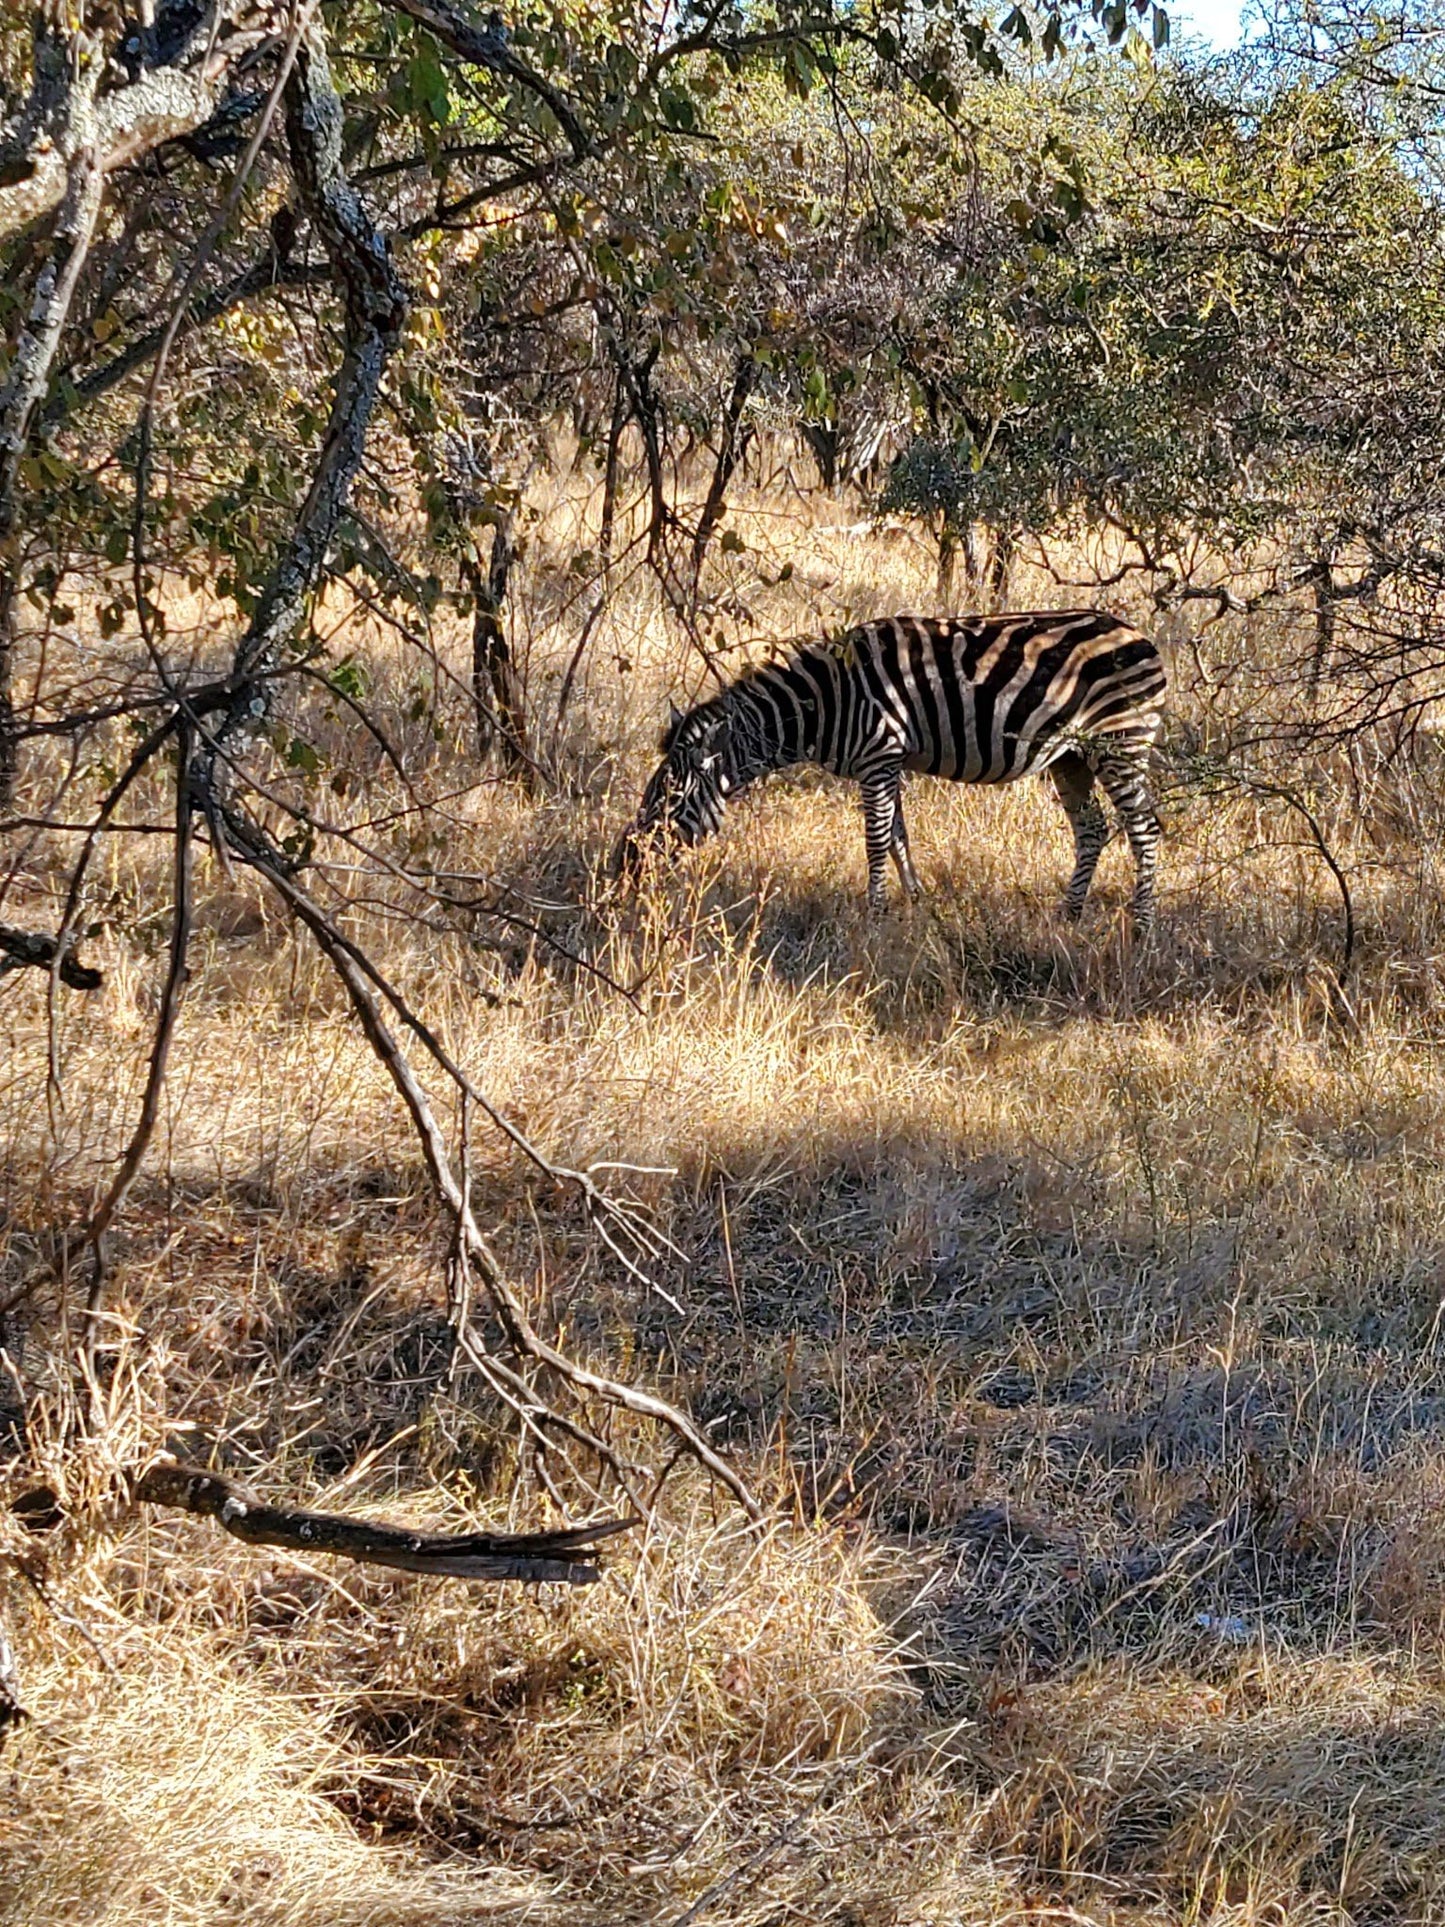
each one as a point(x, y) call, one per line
point(1075, 1307)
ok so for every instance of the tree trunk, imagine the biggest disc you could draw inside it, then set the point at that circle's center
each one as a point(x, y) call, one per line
point(822, 441)
point(1323, 585)
point(1000, 560)
point(496, 700)
point(947, 559)
point(731, 448)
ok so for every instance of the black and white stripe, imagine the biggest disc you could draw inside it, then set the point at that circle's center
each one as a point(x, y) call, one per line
point(980, 699)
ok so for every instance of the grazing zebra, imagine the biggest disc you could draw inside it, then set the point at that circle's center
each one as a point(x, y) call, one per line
point(981, 699)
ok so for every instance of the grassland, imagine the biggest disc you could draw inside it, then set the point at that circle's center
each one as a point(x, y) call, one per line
point(1074, 1308)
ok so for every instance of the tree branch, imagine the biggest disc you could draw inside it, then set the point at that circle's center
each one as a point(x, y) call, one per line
point(23, 947)
point(485, 44)
point(162, 105)
point(166, 1017)
point(522, 1335)
point(376, 304)
point(263, 275)
point(75, 148)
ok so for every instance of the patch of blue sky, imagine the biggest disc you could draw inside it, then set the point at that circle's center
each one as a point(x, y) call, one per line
point(1217, 23)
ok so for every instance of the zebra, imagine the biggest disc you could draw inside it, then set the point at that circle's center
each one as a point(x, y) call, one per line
point(979, 699)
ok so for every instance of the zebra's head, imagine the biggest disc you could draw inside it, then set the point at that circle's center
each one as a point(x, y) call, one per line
point(685, 800)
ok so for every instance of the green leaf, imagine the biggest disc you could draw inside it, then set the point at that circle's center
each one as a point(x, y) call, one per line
point(301, 755)
point(427, 88)
point(349, 678)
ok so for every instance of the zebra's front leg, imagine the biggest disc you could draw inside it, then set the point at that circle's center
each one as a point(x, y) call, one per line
point(902, 855)
point(880, 814)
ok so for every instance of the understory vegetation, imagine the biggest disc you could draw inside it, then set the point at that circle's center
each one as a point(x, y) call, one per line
point(1018, 1348)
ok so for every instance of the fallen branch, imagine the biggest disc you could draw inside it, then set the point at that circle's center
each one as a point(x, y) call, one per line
point(531, 1556)
point(21, 947)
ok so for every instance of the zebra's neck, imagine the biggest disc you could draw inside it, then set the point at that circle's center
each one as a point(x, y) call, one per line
point(762, 736)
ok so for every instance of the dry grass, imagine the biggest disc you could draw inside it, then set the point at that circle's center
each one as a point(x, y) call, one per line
point(1077, 1311)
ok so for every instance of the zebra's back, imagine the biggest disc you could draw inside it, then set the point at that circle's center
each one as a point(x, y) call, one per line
point(986, 699)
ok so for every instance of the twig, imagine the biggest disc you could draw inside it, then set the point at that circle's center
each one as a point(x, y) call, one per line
point(1284, 794)
point(160, 1049)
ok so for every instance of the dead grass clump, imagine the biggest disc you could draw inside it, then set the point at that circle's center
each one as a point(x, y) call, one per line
point(173, 1791)
point(1284, 1787)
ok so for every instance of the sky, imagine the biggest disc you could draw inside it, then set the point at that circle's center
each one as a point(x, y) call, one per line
point(1214, 21)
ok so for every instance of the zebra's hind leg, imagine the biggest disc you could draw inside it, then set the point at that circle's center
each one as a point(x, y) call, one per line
point(881, 810)
point(1126, 779)
point(902, 855)
point(1074, 781)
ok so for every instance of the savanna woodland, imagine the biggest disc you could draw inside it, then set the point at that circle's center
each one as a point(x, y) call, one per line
point(984, 1376)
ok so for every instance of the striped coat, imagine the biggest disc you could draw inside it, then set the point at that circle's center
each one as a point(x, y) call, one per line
point(979, 699)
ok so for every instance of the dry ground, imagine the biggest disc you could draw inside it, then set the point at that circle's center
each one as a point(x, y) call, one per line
point(1075, 1309)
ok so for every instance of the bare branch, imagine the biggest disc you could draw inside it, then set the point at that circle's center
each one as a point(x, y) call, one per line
point(520, 1331)
point(160, 1049)
point(537, 1557)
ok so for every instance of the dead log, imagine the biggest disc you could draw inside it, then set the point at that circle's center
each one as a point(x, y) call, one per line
point(530, 1556)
